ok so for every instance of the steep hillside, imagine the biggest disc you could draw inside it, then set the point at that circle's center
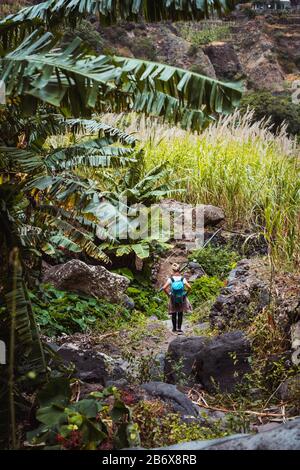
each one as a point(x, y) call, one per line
point(264, 51)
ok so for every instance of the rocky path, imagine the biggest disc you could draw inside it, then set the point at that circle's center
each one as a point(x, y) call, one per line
point(151, 363)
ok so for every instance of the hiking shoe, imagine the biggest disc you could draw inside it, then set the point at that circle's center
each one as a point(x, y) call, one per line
point(174, 331)
point(180, 332)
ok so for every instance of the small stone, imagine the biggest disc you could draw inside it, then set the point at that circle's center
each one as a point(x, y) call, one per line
point(289, 390)
point(203, 326)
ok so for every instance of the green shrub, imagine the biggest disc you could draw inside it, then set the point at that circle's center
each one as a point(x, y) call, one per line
point(204, 288)
point(278, 108)
point(148, 301)
point(100, 421)
point(85, 31)
point(215, 261)
point(207, 34)
point(60, 312)
point(158, 427)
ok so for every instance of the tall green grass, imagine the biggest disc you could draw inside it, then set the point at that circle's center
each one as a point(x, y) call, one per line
point(243, 168)
point(237, 164)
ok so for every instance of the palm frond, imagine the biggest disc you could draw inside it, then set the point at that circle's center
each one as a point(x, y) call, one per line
point(21, 160)
point(74, 216)
point(92, 153)
point(36, 128)
point(64, 187)
point(61, 241)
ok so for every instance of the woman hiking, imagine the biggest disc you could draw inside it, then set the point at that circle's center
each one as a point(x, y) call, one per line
point(176, 288)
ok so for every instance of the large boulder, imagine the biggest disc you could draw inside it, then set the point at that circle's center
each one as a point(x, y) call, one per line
point(168, 393)
point(221, 360)
point(245, 295)
point(284, 437)
point(96, 281)
point(187, 220)
point(213, 215)
point(91, 365)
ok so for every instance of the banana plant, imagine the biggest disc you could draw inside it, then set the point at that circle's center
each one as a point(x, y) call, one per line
point(45, 85)
point(34, 68)
point(56, 192)
point(127, 204)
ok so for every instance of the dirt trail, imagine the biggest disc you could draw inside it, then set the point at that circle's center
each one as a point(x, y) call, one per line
point(153, 338)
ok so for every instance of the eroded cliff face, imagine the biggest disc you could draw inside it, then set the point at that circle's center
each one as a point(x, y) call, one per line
point(268, 49)
point(264, 51)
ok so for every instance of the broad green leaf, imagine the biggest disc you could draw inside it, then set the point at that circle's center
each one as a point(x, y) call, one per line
point(51, 415)
point(88, 407)
point(57, 391)
point(141, 250)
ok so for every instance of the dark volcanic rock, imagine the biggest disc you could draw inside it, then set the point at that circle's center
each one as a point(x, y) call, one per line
point(295, 339)
point(170, 394)
point(290, 389)
point(222, 359)
point(245, 295)
point(90, 365)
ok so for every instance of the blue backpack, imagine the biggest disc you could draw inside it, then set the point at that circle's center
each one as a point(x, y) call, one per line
point(177, 291)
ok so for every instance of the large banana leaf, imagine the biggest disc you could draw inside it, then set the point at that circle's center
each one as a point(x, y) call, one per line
point(92, 126)
point(92, 154)
point(50, 179)
point(55, 219)
point(78, 83)
point(53, 12)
